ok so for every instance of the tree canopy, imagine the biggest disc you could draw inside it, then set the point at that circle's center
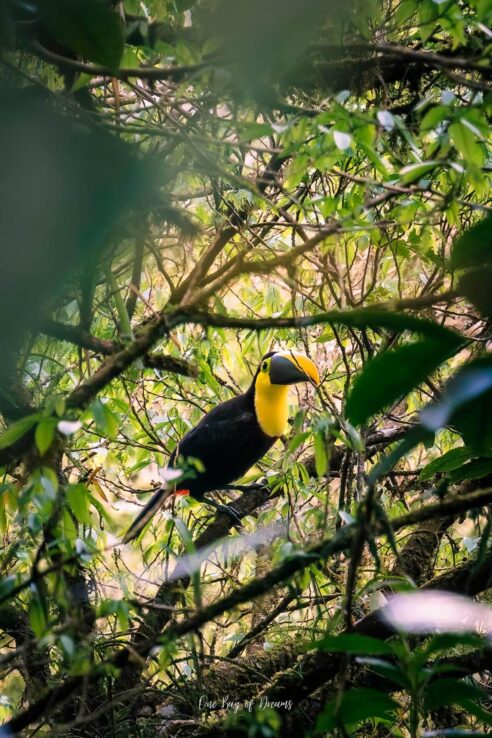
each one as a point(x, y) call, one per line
point(185, 186)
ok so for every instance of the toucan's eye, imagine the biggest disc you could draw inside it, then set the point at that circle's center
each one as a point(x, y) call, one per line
point(264, 366)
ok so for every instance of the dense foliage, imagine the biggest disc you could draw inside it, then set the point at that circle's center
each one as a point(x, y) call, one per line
point(187, 184)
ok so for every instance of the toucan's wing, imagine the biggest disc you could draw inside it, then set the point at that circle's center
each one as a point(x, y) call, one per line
point(228, 441)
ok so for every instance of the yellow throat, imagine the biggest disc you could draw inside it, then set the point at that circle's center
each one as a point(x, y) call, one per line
point(271, 405)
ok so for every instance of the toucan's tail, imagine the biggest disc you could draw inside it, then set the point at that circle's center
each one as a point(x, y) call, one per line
point(153, 505)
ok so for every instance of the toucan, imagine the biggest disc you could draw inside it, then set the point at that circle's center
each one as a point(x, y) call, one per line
point(233, 436)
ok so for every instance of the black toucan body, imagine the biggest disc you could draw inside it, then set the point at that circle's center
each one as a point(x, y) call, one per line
point(233, 436)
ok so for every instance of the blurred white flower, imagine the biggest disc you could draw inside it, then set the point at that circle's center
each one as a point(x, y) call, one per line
point(168, 474)
point(342, 140)
point(434, 611)
point(386, 120)
point(67, 427)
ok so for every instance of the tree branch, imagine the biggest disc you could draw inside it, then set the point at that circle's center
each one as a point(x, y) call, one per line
point(79, 337)
point(154, 329)
point(152, 73)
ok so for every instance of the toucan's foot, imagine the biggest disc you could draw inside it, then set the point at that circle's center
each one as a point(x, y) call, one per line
point(225, 510)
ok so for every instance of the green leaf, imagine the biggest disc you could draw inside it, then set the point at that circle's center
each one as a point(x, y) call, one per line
point(120, 608)
point(392, 374)
point(320, 454)
point(44, 434)
point(352, 643)
point(449, 691)
point(7, 584)
point(297, 441)
point(444, 642)
point(100, 507)
point(88, 27)
point(37, 615)
point(414, 172)
point(447, 462)
point(67, 644)
point(415, 435)
point(385, 669)
point(475, 285)
point(106, 421)
point(252, 131)
point(59, 406)
point(18, 429)
point(474, 246)
point(473, 420)
point(433, 117)
point(404, 11)
point(474, 470)
point(81, 81)
point(465, 141)
point(78, 499)
point(484, 716)
point(356, 706)
point(354, 438)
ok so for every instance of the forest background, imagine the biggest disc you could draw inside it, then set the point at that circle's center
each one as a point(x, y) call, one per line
point(186, 185)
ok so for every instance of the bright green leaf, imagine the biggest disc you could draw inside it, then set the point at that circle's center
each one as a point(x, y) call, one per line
point(37, 615)
point(18, 429)
point(44, 434)
point(320, 454)
point(78, 500)
point(106, 421)
point(414, 172)
point(465, 140)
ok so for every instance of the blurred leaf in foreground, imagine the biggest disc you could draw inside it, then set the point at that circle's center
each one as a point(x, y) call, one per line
point(63, 183)
point(466, 405)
